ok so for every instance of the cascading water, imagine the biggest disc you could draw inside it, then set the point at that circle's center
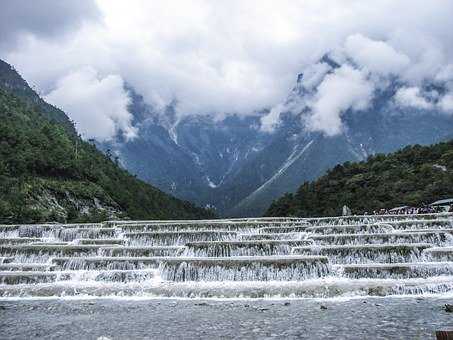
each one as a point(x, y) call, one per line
point(320, 257)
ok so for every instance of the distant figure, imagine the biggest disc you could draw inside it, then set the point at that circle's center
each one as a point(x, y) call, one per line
point(346, 211)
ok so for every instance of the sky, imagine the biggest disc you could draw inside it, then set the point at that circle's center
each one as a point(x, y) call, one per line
point(228, 57)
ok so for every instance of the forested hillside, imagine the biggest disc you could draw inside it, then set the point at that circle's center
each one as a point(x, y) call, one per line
point(415, 175)
point(48, 173)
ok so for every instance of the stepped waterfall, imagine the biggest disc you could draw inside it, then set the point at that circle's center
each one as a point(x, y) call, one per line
point(237, 258)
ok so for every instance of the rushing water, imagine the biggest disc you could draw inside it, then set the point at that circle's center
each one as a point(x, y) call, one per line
point(257, 258)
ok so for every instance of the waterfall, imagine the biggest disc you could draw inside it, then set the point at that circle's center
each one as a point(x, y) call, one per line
point(258, 257)
point(244, 269)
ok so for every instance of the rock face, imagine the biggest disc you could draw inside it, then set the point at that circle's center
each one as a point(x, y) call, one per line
point(237, 168)
point(219, 258)
point(63, 204)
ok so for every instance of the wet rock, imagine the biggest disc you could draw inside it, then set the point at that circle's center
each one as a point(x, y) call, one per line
point(448, 308)
point(323, 307)
point(287, 303)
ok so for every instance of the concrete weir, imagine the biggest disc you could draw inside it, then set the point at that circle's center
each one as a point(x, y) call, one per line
point(241, 248)
point(367, 253)
point(245, 268)
point(260, 257)
point(163, 238)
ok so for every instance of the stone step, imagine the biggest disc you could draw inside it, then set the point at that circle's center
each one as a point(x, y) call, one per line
point(350, 229)
point(272, 236)
point(208, 222)
point(177, 238)
point(140, 251)
point(241, 248)
point(371, 253)
point(370, 219)
point(433, 237)
point(327, 287)
point(381, 227)
point(427, 230)
point(217, 226)
point(244, 268)
point(107, 262)
point(43, 230)
point(396, 270)
point(282, 229)
point(82, 233)
point(64, 234)
point(25, 267)
point(49, 250)
point(6, 259)
point(49, 226)
point(101, 241)
point(32, 277)
point(439, 254)
point(37, 277)
point(19, 240)
point(51, 243)
point(422, 224)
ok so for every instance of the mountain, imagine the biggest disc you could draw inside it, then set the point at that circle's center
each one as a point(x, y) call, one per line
point(47, 172)
point(415, 175)
point(13, 83)
point(234, 166)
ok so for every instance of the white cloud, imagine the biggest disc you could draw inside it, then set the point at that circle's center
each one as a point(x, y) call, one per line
point(43, 18)
point(98, 105)
point(446, 103)
point(271, 120)
point(344, 89)
point(221, 57)
point(445, 74)
point(314, 74)
point(412, 97)
point(376, 56)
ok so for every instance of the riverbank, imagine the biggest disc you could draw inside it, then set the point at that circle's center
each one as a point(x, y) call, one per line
point(359, 318)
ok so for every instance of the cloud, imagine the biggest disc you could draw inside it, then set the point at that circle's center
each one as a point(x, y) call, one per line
point(230, 57)
point(271, 120)
point(375, 56)
point(42, 18)
point(344, 89)
point(412, 97)
point(314, 74)
point(98, 105)
point(446, 103)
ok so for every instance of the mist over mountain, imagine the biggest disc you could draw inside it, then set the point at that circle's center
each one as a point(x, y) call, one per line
point(48, 173)
point(238, 167)
point(231, 105)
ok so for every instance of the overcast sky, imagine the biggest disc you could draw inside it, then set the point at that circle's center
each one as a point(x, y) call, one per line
point(225, 57)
